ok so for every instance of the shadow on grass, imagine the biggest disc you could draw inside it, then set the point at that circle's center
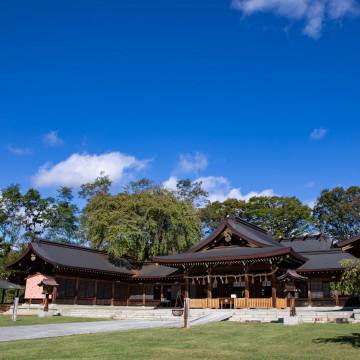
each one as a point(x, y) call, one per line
point(353, 340)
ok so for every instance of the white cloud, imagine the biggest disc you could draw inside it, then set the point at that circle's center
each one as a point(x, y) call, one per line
point(318, 133)
point(82, 168)
point(311, 203)
point(310, 184)
point(52, 139)
point(313, 13)
point(192, 163)
point(219, 189)
point(19, 151)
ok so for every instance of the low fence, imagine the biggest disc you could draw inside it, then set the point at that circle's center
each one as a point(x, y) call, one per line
point(237, 303)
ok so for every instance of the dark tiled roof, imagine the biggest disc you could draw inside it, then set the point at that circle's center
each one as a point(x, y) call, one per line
point(79, 257)
point(150, 269)
point(324, 259)
point(4, 284)
point(318, 242)
point(352, 246)
point(217, 254)
point(253, 232)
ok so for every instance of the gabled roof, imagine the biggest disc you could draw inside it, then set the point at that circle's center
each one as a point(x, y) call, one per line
point(324, 260)
point(253, 234)
point(318, 242)
point(229, 254)
point(75, 257)
point(5, 284)
point(352, 246)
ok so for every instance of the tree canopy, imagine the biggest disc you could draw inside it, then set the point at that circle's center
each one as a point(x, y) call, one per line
point(143, 220)
point(282, 216)
point(337, 212)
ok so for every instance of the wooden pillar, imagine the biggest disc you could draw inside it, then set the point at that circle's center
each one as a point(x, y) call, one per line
point(292, 304)
point(273, 289)
point(128, 294)
point(112, 293)
point(3, 296)
point(309, 291)
point(186, 287)
point(76, 291)
point(161, 292)
point(144, 295)
point(54, 294)
point(246, 287)
point(209, 292)
point(46, 305)
point(95, 293)
point(336, 295)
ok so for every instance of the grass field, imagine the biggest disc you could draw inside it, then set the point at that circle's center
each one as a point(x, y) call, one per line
point(5, 320)
point(224, 340)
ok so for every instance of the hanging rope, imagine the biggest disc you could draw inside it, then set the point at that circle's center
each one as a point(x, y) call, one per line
point(240, 276)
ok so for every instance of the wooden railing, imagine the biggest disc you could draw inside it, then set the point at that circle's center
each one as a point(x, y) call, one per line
point(281, 303)
point(239, 303)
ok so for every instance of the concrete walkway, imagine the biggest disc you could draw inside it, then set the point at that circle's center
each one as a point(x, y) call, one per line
point(12, 333)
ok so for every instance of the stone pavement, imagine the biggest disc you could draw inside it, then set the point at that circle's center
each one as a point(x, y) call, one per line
point(12, 333)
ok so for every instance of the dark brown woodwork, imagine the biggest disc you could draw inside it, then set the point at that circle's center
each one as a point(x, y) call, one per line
point(246, 287)
point(144, 295)
point(336, 295)
point(95, 293)
point(112, 293)
point(76, 290)
point(186, 287)
point(161, 291)
point(128, 295)
point(3, 296)
point(273, 289)
point(309, 291)
point(54, 295)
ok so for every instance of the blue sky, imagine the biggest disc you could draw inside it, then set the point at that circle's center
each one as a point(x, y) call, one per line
point(252, 97)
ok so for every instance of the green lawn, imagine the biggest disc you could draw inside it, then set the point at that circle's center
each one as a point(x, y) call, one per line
point(5, 320)
point(224, 340)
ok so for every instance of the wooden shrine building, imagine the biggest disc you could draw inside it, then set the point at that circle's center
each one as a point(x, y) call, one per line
point(236, 266)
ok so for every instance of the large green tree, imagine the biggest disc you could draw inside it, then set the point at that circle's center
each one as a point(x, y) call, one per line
point(142, 221)
point(350, 279)
point(212, 213)
point(64, 222)
point(282, 216)
point(39, 213)
point(11, 215)
point(337, 212)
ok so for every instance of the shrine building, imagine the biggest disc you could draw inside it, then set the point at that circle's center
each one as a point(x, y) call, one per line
point(236, 266)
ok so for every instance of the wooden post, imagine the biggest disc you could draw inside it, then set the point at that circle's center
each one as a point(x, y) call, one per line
point(128, 294)
point(309, 291)
point(144, 295)
point(246, 290)
point(209, 292)
point(336, 295)
point(112, 293)
point(95, 293)
point(3, 296)
point(292, 304)
point(161, 292)
point(273, 289)
point(46, 306)
point(76, 291)
point(186, 287)
point(186, 313)
point(54, 295)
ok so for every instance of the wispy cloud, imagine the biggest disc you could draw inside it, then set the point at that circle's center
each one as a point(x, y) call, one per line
point(52, 139)
point(19, 151)
point(220, 189)
point(82, 168)
point(318, 133)
point(312, 13)
point(310, 184)
point(192, 163)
